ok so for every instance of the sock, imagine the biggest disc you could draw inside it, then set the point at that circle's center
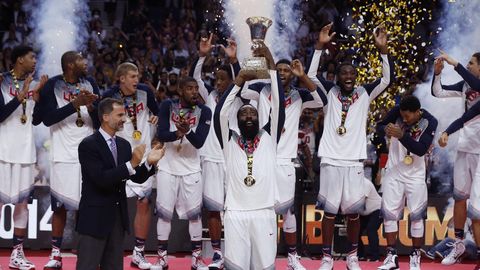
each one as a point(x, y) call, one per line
point(353, 248)
point(327, 250)
point(391, 250)
point(162, 246)
point(292, 249)
point(57, 242)
point(459, 234)
point(196, 246)
point(216, 244)
point(18, 240)
point(416, 250)
point(139, 243)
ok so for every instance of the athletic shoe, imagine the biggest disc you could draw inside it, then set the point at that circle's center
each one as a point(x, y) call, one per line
point(162, 261)
point(55, 261)
point(415, 260)
point(18, 260)
point(352, 262)
point(390, 262)
point(327, 263)
point(294, 262)
point(197, 261)
point(217, 261)
point(454, 255)
point(138, 259)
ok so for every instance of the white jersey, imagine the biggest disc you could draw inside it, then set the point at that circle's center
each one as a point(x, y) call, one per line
point(181, 156)
point(420, 137)
point(65, 134)
point(468, 139)
point(17, 144)
point(263, 194)
point(295, 102)
point(349, 149)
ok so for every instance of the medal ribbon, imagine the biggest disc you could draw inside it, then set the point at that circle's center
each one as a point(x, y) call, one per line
point(75, 93)
point(249, 147)
point(346, 102)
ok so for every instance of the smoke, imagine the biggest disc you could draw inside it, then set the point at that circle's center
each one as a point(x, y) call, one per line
point(58, 26)
point(280, 38)
point(458, 34)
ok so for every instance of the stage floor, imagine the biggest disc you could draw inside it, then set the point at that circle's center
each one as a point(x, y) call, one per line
point(182, 262)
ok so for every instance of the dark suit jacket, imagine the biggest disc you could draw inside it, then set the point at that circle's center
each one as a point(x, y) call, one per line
point(103, 184)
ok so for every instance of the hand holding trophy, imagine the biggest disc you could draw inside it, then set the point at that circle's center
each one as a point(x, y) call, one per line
point(258, 30)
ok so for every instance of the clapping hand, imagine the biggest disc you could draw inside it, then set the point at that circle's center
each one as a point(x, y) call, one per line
point(137, 155)
point(392, 130)
point(40, 85)
point(158, 151)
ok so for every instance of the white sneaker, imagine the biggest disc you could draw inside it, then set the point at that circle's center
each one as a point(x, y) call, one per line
point(55, 261)
point(162, 261)
point(217, 260)
point(138, 259)
point(197, 261)
point(352, 262)
point(415, 260)
point(294, 262)
point(18, 260)
point(455, 254)
point(390, 262)
point(327, 263)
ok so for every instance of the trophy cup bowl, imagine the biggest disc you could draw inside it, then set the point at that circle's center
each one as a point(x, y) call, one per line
point(258, 30)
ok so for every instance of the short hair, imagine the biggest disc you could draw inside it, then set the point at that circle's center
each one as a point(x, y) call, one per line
point(477, 55)
point(124, 68)
point(343, 64)
point(283, 61)
point(20, 51)
point(183, 81)
point(106, 106)
point(227, 69)
point(68, 58)
point(410, 103)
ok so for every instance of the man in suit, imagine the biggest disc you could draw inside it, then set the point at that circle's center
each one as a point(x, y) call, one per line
point(107, 162)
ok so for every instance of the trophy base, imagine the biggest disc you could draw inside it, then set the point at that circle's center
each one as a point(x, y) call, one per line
point(257, 65)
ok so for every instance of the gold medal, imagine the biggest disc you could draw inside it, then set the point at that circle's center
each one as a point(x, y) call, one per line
point(23, 119)
point(341, 130)
point(137, 135)
point(79, 122)
point(408, 160)
point(249, 181)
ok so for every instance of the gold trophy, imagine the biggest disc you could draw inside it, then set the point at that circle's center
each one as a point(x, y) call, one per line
point(258, 30)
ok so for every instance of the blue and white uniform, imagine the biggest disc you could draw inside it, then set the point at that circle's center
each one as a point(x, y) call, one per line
point(17, 146)
point(406, 181)
point(146, 106)
point(58, 113)
point(250, 221)
point(468, 145)
point(341, 166)
point(295, 101)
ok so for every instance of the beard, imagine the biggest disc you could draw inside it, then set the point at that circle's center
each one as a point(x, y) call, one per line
point(248, 132)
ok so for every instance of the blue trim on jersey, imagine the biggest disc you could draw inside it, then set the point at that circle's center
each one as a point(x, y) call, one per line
point(151, 102)
point(458, 87)
point(371, 86)
point(7, 109)
point(469, 78)
point(306, 95)
point(467, 116)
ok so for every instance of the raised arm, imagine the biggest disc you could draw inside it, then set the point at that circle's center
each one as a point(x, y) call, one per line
point(471, 113)
point(314, 97)
point(222, 111)
point(444, 91)
point(473, 81)
point(277, 114)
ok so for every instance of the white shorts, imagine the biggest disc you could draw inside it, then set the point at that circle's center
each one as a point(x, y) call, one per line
point(250, 239)
point(394, 194)
point(213, 175)
point(140, 191)
point(285, 177)
point(16, 182)
point(464, 170)
point(339, 188)
point(65, 185)
point(473, 209)
point(180, 193)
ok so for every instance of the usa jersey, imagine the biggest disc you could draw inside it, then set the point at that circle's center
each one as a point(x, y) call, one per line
point(263, 193)
point(17, 144)
point(296, 100)
point(181, 155)
point(60, 115)
point(145, 107)
point(211, 150)
point(468, 139)
point(416, 142)
point(352, 146)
